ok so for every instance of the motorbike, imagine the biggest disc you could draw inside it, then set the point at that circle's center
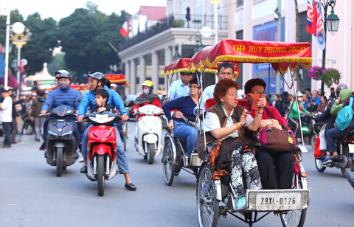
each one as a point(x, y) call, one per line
point(60, 140)
point(310, 129)
point(101, 157)
point(148, 132)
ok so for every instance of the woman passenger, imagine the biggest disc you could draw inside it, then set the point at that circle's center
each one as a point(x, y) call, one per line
point(226, 124)
point(266, 159)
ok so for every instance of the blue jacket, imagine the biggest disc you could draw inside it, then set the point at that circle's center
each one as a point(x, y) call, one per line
point(114, 99)
point(68, 97)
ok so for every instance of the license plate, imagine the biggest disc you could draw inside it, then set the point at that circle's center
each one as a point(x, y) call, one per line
point(351, 148)
point(278, 201)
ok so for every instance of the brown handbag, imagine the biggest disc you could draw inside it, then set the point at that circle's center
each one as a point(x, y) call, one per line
point(275, 139)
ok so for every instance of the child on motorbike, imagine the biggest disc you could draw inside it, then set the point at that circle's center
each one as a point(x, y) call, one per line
point(101, 98)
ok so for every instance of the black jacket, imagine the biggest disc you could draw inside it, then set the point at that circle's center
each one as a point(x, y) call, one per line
point(326, 116)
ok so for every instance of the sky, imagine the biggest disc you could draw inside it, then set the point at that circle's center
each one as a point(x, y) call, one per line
point(58, 9)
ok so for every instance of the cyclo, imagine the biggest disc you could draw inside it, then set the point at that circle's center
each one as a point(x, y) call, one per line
point(216, 198)
point(174, 153)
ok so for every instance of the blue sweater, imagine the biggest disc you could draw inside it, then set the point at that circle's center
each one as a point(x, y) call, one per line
point(114, 99)
point(68, 97)
point(184, 104)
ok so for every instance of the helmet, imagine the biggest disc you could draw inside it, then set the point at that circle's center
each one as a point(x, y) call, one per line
point(99, 77)
point(61, 71)
point(148, 83)
point(299, 94)
point(64, 74)
point(341, 87)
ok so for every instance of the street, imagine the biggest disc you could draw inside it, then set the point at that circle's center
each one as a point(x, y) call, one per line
point(32, 195)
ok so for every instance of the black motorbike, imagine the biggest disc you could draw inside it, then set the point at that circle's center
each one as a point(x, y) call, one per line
point(60, 140)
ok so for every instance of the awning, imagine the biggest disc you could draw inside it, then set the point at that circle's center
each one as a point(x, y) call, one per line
point(117, 79)
point(280, 54)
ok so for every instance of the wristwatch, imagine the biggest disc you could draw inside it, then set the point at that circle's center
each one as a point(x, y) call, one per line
point(259, 112)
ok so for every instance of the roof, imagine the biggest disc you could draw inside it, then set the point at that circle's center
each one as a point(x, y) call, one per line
point(153, 12)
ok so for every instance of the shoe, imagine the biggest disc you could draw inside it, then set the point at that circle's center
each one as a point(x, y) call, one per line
point(327, 161)
point(46, 154)
point(6, 146)
point(130, 187)
point(14, 142)
point(76, 155)
point(83, 169)
point(81, 159)
point(42, 148)
point(241, 202)
point(37, 140)
point(177, 173)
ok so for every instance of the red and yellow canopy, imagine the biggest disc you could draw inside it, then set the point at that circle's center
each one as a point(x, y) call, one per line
point(117, 79)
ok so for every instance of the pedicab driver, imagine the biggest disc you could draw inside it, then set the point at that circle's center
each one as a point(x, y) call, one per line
point(97, 82)
point(180, 88)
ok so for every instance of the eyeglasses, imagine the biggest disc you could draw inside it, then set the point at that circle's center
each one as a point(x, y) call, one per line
point(259, 92)
point(193, 86)
point(226, 74)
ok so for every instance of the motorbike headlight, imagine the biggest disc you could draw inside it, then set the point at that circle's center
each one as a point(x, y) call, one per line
point(66, 136)
point(52, 135)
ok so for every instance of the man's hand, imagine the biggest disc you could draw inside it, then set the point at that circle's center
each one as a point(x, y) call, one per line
point(44, 112)
point(178, 114)
point(101, 109)
point(338, 100)
point(79, 118)
point(125, 117)
point(170, 124)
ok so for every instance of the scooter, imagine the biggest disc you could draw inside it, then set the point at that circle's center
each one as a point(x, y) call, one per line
point(148, 132)
point(60, 140)
point(101, 157)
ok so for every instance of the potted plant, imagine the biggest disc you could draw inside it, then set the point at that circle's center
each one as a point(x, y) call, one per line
point(328, 76)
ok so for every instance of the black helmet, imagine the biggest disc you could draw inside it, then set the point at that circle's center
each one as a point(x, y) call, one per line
point(64, 74)
point(99, 76)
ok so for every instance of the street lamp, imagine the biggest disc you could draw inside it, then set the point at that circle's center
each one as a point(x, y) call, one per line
point(332, 22)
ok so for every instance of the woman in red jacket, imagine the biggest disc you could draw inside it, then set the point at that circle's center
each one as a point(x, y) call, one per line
point(266, 159)
point(147, 97)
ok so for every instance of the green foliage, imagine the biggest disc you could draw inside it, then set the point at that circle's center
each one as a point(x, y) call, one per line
point(331, 76)
point(178, 23)
point(56, 64)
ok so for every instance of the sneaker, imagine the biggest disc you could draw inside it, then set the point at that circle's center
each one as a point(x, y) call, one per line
point(81, 159)
point(177, 173)
point(241, 202)
point(42, 148)
point(327, 161)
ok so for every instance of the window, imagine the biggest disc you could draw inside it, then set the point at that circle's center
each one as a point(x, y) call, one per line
point(239, 3)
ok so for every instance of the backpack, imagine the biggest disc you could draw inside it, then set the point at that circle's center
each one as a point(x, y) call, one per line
point(345, 116)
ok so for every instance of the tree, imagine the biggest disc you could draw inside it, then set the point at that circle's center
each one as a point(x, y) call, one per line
point(56, 64)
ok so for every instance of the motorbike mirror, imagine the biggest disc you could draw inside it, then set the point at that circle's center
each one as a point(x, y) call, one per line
point(129, 103)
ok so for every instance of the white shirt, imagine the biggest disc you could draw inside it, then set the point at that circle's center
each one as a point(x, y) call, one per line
point(6, 113)
point(212, 122)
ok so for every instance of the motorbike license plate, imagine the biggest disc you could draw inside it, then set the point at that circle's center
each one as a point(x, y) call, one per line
point(351, 148)
point(278, 201)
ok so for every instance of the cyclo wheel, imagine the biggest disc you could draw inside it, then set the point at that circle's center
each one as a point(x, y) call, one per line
point(207, 204)
point(295, 218)
point(347, 171)
point(167, 165)
point(318, 163)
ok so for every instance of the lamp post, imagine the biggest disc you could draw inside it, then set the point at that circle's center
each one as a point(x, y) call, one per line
point(331, 22)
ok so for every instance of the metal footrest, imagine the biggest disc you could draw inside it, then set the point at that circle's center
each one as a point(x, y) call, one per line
point(195, 161)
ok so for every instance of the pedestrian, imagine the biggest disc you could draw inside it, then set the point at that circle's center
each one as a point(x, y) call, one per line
point(14, 116)
point(6, 117)
point(35, 111)
point(277, 104)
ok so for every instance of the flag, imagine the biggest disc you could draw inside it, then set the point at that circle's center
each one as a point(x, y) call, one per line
point(124, 31)
point(321, 35)
point(21, 67)
point(314, 19)
point(309, 16)
point(319, 25)
point(2, 63)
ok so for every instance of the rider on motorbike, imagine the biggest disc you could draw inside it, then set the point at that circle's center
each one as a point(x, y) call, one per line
point(294, 116)
point(62, 96)
point(147, 97)
point(97, 82)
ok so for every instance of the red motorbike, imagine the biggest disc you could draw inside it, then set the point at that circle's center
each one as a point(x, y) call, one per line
point(101, 157)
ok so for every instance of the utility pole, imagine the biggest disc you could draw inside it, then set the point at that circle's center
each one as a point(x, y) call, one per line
point(6, 76)
point(277, 82)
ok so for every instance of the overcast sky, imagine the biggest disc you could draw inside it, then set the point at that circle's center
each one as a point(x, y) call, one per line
point(62, 8)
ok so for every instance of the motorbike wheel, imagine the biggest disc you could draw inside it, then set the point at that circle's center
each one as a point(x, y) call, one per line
point(59, 161)
point(100, 175)
point(167, 165)
point(294, 218)
point(348, 173)
point(318, 163)
point(207, 204)
point(150, 152)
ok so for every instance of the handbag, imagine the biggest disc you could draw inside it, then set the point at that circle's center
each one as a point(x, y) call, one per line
point(275, 139)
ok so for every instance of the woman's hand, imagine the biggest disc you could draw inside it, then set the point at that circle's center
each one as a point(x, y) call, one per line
point(266, 123)
point(170, 124)
point(101, 109)
point(338, 100)
point(261, 103)
point(243, 118)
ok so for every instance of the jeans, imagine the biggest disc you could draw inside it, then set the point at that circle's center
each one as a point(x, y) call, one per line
point(121, 158)
point(7, 130)
point(333, 134)
point(76, 131)
point(186, 133)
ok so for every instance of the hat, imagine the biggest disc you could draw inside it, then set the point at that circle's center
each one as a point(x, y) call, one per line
point(4, 90)
point(299, 94)
point(113, 85)
point(164, 93)
point(34, 94)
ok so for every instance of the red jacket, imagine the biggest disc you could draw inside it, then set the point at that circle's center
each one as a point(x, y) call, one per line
point(155, 102)
point(275, 113)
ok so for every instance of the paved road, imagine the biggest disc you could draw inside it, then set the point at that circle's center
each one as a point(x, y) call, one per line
point(31, 195)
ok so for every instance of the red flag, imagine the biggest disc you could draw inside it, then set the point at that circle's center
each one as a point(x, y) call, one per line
point(309, 16)
point(124, 31)
point(0, 48)
point(314, 19)
point(21, 67)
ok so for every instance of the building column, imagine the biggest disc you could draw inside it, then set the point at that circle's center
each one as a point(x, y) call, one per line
point(168, 60)
point(142, 70)
point(232, 18)
point(155, 70)
point(132, 76)
point(127, 76)
point(247, 35)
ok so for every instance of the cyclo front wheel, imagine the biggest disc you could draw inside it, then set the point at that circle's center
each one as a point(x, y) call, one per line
point(294, 218)
point(207, 204)
point(167, 163)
